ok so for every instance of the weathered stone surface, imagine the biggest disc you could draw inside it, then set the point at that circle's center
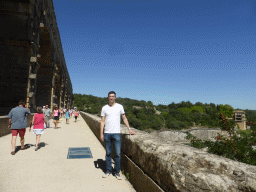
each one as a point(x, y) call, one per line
point(178, 167)
point(180, 136)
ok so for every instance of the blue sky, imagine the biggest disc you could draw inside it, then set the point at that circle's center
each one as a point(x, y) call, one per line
point(160, 50)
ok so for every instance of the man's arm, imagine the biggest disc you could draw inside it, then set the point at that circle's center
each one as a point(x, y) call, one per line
point(10, 119)
point(45, 120)
point(10, 122)
point(28, 110)
point(127, 124)
point(32, 123)
point(102, 123)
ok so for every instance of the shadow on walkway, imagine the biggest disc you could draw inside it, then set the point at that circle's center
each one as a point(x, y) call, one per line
point(19, 147)
point(100, 164)
point(42, 144)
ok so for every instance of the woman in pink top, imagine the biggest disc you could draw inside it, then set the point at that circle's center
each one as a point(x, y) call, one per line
point(56, 114)
point(38, 122)
point(76, 115)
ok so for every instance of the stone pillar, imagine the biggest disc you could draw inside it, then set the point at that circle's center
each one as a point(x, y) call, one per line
point(65, 100)
point(61, 93)
point(53, 91)
point(31, 87)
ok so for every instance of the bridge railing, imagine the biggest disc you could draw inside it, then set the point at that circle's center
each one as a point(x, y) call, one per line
point(155, 164)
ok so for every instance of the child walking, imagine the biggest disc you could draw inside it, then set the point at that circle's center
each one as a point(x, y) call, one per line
point(67, 117)
point(38, 122)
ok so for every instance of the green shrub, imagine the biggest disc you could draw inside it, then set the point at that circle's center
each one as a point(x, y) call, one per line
point(233, 147)
point(244, 133)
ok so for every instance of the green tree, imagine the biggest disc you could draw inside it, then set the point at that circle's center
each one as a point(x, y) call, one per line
point(185, 109)
point(197, 109)
point(150, 104)
point(166, 115)
point(226, 110)
point(136, 123)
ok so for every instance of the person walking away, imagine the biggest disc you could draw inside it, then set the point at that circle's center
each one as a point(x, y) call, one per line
point(110, 117)
point(71, 111)
point(61, 113)
point(67, 117)
point(47, 112)
point(76, 115)
point(38, 122)
point(56, 114)
point(64, 111)
point(18, 123)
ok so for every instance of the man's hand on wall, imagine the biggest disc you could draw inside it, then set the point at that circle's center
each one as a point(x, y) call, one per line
point(131, 132)
point(102, 137)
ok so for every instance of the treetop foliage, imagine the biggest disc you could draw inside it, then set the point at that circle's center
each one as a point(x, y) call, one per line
point(143, 114)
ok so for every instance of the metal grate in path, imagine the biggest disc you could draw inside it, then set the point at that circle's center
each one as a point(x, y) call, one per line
point(79, 152)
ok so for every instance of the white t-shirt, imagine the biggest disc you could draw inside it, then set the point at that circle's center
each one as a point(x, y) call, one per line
point(113, 118)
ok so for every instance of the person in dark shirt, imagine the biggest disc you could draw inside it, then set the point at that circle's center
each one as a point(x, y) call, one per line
point(18, 123)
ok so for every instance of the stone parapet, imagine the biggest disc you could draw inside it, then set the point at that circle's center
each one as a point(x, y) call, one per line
point(173, 166)
point(4, 122)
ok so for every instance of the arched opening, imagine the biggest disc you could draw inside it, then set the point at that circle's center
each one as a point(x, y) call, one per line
point(45, 74)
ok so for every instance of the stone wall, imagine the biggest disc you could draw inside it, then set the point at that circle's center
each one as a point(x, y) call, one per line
point(180, 136)
point(4, 122)
point(173, 166)
point(33, 66)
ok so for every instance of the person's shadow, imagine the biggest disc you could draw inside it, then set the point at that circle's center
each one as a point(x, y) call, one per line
point(42, 144)
point(19, 147)
point(100, 164)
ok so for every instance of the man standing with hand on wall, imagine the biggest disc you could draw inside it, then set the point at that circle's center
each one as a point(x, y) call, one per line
point(110, 117)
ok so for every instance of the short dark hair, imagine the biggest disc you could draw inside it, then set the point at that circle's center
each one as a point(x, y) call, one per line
point(111, 92)
point(39, 110)
point(21, 102)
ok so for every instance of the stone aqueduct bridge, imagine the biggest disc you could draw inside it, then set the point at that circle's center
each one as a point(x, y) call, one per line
point(32, 66)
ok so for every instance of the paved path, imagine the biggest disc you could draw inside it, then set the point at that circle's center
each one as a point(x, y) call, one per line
point(48, 169)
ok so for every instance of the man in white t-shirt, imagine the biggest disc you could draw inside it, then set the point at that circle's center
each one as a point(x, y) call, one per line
point(110, 118)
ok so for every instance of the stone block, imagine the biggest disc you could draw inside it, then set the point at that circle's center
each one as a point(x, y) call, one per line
point(33, 59)
point(30, 94)
point(32, 76)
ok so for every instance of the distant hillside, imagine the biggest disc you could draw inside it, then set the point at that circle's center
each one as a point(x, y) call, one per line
point(146, 116)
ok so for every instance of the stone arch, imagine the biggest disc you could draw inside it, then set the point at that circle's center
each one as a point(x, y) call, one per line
point(45, 74)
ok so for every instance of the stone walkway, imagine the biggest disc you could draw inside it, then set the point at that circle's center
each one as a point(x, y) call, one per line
point(48, 169)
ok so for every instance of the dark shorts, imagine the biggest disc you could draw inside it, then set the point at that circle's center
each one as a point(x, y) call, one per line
point(75, 117)
point(56, 118)
point(20, 131)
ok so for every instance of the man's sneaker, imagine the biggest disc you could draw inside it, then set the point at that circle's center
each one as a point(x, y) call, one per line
point(118, 176)
point(106, 174)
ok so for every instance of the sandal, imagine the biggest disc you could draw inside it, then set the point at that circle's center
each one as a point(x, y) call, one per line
point(25, 147)
point(13, 152)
